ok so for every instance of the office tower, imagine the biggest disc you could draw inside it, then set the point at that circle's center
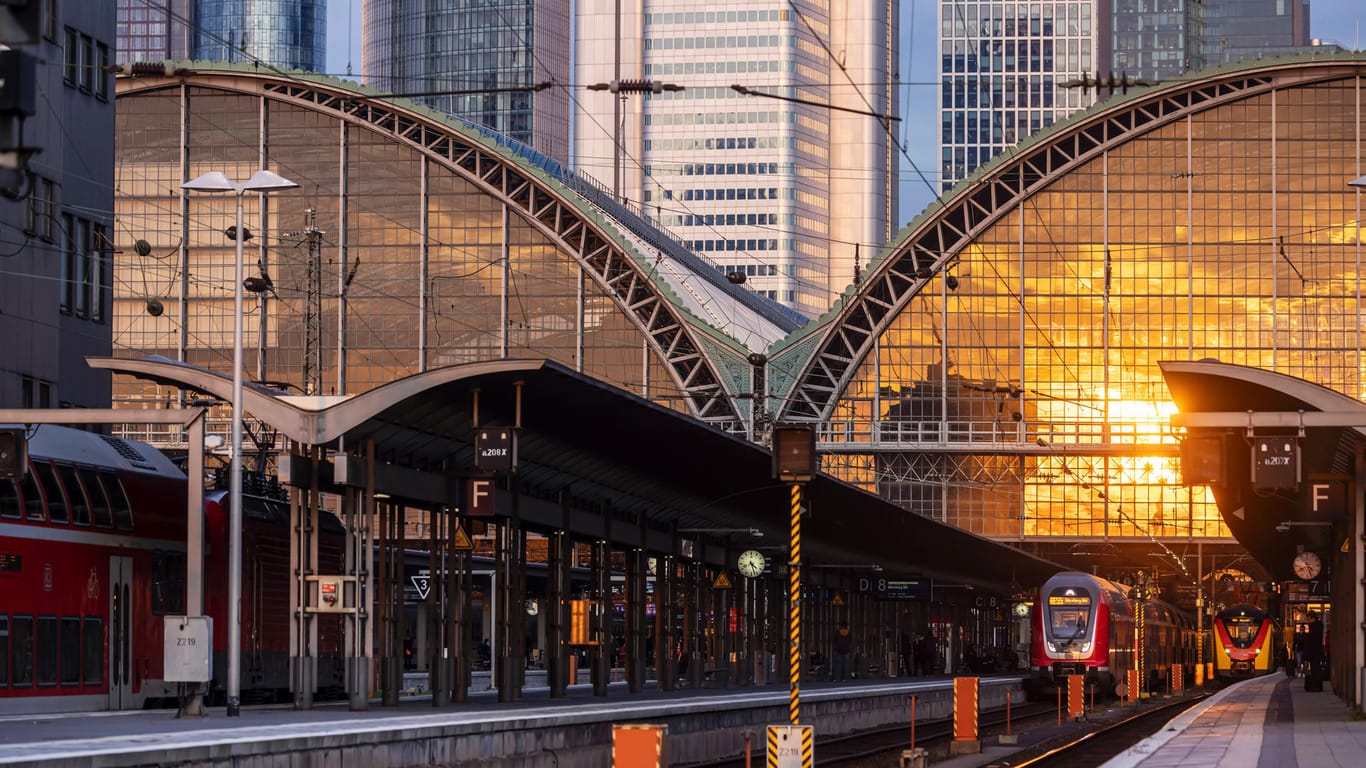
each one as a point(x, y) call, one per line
point(285, 33)
point(786, 191)
point(1001, 68)
point(467, 57)
point(1003, 78)
point(1235, 30)
point(56, 207)
point(154, 30)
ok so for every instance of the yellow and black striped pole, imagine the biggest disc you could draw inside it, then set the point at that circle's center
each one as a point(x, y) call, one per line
point(794, 606)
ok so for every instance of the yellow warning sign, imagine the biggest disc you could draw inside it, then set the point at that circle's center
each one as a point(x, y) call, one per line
point(462, 540)
point(1346, 546)
point(837, 601)
point(721, 581)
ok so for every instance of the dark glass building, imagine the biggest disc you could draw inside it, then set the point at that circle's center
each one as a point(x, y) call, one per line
point(459, 56)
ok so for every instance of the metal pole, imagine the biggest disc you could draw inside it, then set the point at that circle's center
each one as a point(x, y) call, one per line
point(794, 607)
point(235, 487)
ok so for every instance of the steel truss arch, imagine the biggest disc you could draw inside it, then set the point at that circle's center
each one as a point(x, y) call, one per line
point(925, 248)
point(552, 212)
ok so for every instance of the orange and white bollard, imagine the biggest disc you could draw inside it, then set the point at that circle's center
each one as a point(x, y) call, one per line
point(965, 737)
point(1076, 696)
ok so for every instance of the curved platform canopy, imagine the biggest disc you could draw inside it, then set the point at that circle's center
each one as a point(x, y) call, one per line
point(813, 367)
point(1273, 524)
point(701, 327)
point(606, 446)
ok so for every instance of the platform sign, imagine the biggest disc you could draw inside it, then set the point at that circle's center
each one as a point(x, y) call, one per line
point(495, 448)
point(791, 746)
point(1326, 498)
point(638, 746)
point(914, 588)
point(479, 499)
point(1275, 463)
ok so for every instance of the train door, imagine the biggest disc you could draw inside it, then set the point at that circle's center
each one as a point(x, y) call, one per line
point(120, 634)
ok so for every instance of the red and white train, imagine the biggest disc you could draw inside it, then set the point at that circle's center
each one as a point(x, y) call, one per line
point(1084, 625)
point(92, 557)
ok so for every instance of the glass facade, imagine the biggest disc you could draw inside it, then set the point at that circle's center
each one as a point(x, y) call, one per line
point(285, 33)
point(1017, 393)
point(383, 263)
point(456, 55)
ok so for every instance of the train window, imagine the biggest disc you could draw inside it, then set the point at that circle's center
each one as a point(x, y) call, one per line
point(118, 501)
point(33, 500)
point(80, 506)
point(175, 583)
point(9, 498)
point(92, 650)
point(70, 662)
point(52, 489)
point(158, 583)
point(99, 503)
point(4, 650)
point(21, 643)
point(102, 509)
point(47, 650)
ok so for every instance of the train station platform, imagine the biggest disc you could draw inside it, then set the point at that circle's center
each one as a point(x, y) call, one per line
point(572, 732)
point(1266, 721)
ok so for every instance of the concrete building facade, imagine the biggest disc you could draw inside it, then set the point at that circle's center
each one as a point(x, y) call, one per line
point(57, 213)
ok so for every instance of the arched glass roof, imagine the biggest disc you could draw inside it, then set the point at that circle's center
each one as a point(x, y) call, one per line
point(998, 366)
point(414, 241)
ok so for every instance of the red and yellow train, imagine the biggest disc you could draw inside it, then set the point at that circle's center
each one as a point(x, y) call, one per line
point(1244, 642)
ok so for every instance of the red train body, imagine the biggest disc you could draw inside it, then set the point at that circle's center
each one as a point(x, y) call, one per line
point(1084, 625)
point(92, 557)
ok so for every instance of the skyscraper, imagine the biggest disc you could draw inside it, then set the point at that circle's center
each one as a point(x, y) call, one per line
point(1004, 65)
point(775, 186)
point(283, 33)
point(154, 30)
point(1001, 64)
point(465, 57)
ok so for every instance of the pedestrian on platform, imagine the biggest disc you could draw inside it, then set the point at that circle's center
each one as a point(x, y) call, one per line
point(905, 654)
point(929, 653)
point(844, 654)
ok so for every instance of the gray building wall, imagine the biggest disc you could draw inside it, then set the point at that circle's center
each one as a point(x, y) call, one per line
point(55, 300)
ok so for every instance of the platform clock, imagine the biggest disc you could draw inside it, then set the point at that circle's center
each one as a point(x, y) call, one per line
point(751, 563)
point(1307, 565)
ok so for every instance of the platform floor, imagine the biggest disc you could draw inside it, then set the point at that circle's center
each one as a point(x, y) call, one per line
point(81, 738)
point(1266, 722)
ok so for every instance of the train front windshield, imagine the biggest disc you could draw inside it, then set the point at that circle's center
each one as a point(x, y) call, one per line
point(1069, 614)
point(1242, 629)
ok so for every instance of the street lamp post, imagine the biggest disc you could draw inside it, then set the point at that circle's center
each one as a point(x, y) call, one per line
point(261, 182)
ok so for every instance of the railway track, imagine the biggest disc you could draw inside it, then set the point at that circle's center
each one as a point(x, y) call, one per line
point(1086, 750)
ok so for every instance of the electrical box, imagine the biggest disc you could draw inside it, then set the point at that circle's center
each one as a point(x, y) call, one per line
point(333, 594)
point(1202, 460)
point(188, 649)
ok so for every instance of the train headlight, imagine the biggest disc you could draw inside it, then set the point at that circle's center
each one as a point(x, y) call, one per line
point(1052, 646)
point(1085, 647)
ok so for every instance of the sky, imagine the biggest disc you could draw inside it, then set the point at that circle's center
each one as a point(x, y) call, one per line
point(1337, 21)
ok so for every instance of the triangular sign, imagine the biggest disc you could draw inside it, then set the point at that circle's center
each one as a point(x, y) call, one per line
point(721, 581)
point(837, 601)
point(422, 584)
point(462, 540)
point(1346, 546)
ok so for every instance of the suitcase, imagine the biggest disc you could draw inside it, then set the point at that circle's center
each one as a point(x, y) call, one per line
point(1313, 680)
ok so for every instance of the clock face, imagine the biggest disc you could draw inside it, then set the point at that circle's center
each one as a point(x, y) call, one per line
point(751, 563)
point(1307, 565)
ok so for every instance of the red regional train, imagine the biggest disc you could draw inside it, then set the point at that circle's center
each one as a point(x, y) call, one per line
point(1084, 625)
point(92, 557)
point(1244, 642)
